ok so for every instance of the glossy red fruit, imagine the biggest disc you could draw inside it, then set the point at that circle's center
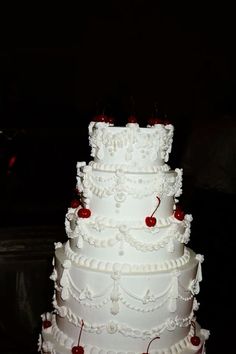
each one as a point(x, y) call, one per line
point(47, 324)
point(132, 119)
point(195, 340)
point(84, 213)
point(75, 203)
point(150, 221)
point(153, 121)
point(110, 120)
point(101, 118)
point(179, 214)
point(77, 350)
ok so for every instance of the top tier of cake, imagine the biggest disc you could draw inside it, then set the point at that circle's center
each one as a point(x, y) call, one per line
point(132, 147)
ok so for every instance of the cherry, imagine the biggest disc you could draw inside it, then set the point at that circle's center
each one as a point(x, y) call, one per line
point(150, 344)
point(46, 322)
point(77, 349)
point(151, 220)
point(110, 120)
point(132, 119)
point(84, 213)
point(195, 340)
point(179, 214)
point(153, 121)
point(101, 118)
point(75, 203)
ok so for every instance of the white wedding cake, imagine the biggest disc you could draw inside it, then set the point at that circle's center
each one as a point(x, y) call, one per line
point(125, 281)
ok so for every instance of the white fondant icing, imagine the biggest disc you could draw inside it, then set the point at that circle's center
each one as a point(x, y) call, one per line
point(126, 281)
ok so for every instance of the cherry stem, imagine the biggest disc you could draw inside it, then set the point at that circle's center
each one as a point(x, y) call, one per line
point(194, 326)
point(159, 202)
point(82, 325)
point(151, 342)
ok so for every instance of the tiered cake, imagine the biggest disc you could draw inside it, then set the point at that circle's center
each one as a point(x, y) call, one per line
point(125, 282)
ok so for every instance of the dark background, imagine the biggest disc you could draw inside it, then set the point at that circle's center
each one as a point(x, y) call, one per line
point(61, 66)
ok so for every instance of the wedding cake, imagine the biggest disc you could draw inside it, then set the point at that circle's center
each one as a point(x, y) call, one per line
point(125, 281)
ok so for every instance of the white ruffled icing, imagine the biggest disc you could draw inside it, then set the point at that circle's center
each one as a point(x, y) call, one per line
point(126, 234)
point(130, 145)
point(100, 265)
point(66, 343)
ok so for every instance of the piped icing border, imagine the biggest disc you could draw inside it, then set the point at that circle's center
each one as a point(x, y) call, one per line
point(153, 140)
point(112, 326)
point(99, 265)
point(127, 169)
point(125, 234)
point(101, 222)
point(165, 184)
point(56, 337)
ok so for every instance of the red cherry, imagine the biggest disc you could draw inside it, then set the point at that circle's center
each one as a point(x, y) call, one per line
point(75, 203)
point(132, 119)
point(166, 122)
point(179, 214)
point(84, 213)
point(150, 221)
point(47, 324)
point(110, 120)
point(153, 121)
point(195, 340)
point(77, 350)
point(101, 118)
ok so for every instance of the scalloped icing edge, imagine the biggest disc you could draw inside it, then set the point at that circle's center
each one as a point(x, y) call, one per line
point(65, 343)
point(126, 169)
point(109, 267)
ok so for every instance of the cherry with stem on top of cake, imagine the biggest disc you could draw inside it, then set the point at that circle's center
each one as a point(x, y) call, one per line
point(77, 349)
point(150, 344)
point(46, 322)
point(110, 120)
point(195, 340)
point(151, 220)
point(84, 213)
point(132, 119)
point(179, 213)
point(101, 118)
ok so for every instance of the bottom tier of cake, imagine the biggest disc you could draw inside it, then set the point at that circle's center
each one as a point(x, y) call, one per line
point(50, 342)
